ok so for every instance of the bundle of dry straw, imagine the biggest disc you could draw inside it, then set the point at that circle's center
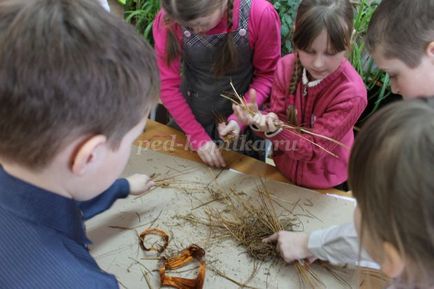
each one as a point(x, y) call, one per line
point(248, 221)
point(300, 131)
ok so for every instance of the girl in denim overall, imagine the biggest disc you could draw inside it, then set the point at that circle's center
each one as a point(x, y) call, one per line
point(204, 45)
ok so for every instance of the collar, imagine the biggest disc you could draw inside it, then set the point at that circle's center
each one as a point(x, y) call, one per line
point(307, 82)
point(318, 85)
point(41, 207)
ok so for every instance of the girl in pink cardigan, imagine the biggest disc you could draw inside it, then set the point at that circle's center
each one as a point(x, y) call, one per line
point(315, 88)
point(203, 45)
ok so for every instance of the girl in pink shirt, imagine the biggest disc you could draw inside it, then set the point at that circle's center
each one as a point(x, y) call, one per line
point(315, 88)
point(203, 45)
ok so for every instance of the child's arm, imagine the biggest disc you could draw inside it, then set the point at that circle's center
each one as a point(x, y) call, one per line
point(334, 124)
point(291, 246)
point(260, 122)
point(171, 96)
point(338, 119)
point(139, 184)
point(135, 184)
point(174, 101)
point(338, 245)
point(242, 117)
point(242, 114)
point(264, 39)
point(263, 122)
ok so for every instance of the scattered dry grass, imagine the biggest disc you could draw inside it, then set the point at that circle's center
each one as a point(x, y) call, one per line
point(247, 221)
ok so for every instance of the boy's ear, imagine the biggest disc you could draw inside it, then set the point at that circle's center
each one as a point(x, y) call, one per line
point(392, 264)
point(430, 51)
point(88, 153)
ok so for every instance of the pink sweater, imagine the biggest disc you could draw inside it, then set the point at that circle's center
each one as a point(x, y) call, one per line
point(264, 39)
point(331, 109)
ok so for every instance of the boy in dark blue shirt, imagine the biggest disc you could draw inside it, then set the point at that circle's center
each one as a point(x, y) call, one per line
point(76, 87)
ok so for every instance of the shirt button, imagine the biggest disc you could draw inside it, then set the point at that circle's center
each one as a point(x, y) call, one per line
point(242, 32)
point(187, 33)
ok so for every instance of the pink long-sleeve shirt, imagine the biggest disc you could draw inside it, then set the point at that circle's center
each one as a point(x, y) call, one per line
point(264, 39)
point(331, 109)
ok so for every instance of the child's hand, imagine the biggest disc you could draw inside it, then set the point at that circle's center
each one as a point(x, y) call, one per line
point(139, 184)
point(231, 128)
point(291, 246)
point(210, 154)
point(242, 115)
point(266, 122)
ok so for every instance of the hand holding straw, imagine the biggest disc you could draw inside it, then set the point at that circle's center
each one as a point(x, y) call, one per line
point(248, 112)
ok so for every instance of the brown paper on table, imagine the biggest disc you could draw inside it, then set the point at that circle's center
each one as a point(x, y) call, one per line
point(117, 250)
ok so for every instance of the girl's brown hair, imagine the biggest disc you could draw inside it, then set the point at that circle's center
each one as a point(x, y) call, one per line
point(403, 29)
point(188, 10)
point(392, 177)
point(313, 16)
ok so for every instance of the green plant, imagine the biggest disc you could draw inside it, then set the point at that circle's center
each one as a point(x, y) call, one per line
point(377, 82)
point(287, 10)
point(141, 14)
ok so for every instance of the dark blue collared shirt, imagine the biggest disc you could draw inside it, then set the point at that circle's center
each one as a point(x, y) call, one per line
point(43, 242)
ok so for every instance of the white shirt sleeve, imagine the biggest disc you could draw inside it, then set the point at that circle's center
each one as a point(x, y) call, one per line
point(339, 245)
point(104, 4)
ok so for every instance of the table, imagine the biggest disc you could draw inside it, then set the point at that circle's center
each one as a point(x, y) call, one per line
point(164, 139)
point(167, 140)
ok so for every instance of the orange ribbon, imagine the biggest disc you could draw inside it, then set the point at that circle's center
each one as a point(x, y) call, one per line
point(154, 231)
point(194, 252)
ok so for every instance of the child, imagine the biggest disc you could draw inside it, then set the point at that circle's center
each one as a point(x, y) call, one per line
point(315, 88)
point(400, 38)
point(410, 61)
point(394, 215)
point(203, 45)
point(76, 86)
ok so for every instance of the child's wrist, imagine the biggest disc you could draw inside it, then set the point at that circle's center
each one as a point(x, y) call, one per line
point(270, 134)
point(254, 127)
